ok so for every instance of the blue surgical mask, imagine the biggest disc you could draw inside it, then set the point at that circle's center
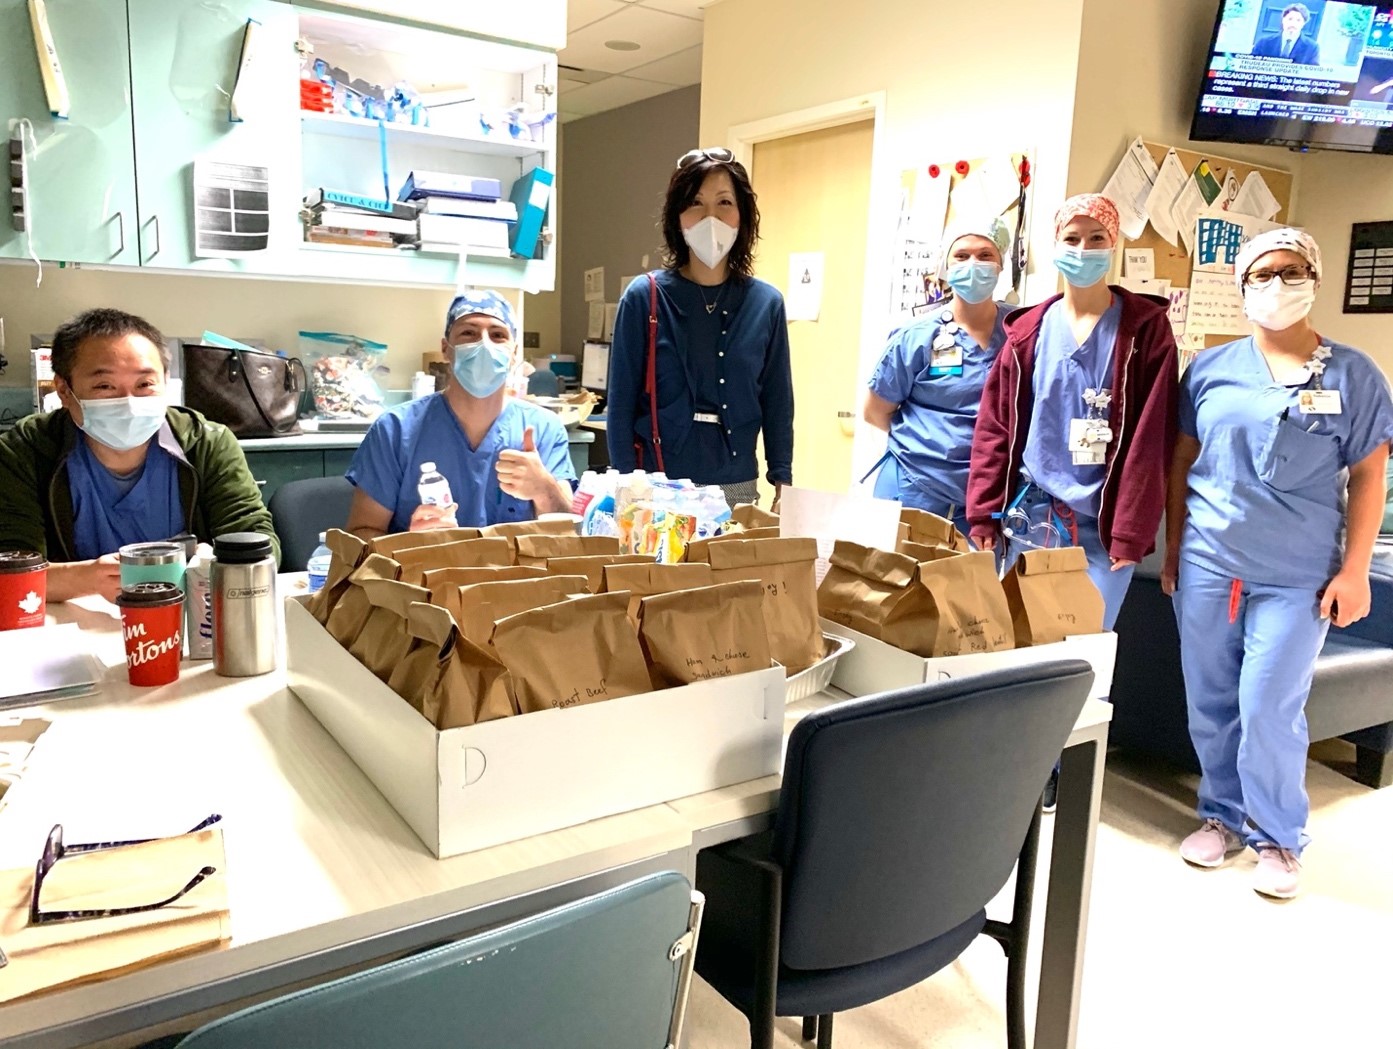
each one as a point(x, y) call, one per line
point(973, 281)
point(482, 367)
point(122, 423)
point(1082, 267)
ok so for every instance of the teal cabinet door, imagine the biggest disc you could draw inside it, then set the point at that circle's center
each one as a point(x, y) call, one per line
point(185, 65)
point(273, 469)
point(82, 198)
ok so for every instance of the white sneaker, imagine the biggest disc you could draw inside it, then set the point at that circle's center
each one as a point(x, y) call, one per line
point(1211, 845)
point(1278, 872)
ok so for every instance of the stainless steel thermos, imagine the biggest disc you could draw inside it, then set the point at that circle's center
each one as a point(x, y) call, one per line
point(244, 605)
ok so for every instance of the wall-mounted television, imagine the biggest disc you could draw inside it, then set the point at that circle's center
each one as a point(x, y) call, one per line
point(1311, 75)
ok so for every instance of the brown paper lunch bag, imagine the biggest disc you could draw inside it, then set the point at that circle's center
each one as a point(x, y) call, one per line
point(477, 607)
point(416, 561)
point(439, 580)
point(920, 526)
point(452, 682)
point(347, 553)
point(574, 652)
point(922, 553)
point(744, 516)
point(593, 568)
point(390, 545)
point(694, 554)
point(383, 642)
point(352, 609)
point(537, 550)
point(874, 592)
point(647, 579)
point(970, 610)
point(709, 632)
point(1051, 597)
point(787, 568)
point(512, 529)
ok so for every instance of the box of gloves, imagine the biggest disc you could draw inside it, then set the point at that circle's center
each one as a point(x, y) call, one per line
point(500, 701)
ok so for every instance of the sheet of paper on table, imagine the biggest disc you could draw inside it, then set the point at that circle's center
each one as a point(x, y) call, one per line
point(46, 663)
point(830, 516)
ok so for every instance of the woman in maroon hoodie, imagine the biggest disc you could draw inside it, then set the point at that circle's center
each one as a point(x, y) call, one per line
point(1078, 417)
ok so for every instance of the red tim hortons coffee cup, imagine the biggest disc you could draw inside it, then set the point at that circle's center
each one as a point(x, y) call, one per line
point(152, 623)
point(23, 589)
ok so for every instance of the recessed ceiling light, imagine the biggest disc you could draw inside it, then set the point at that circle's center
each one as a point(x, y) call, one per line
point(622, 45)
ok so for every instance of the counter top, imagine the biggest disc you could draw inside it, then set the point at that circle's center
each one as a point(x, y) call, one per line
point(301, 443)
point(307, 442)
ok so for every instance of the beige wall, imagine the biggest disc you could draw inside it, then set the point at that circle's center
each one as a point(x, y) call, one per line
point(767, 58)
point(1150, 91)
point(409, 320)
point(1340, 189)
point(616, 166)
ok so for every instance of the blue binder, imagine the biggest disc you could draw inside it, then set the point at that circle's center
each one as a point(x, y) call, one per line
point(531, 195)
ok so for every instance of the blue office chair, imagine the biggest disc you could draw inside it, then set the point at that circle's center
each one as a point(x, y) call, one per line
point(608, 972)
point(300, 510)
point(900, 817)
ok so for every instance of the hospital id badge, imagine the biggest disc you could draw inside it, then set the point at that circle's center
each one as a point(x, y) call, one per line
point(946, 359)
point(1319, 402)
point(1088, 441)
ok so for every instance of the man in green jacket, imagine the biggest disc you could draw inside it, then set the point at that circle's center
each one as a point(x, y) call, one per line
point(117, 463)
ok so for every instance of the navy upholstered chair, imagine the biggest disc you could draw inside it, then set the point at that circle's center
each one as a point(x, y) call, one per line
point(544, 383)
point(901, 816)
point(300, 510)
point(608, 972)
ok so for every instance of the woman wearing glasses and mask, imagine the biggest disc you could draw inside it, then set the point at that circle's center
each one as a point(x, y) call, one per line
point(927, 387)
point(1263, 552)
point(699, 362)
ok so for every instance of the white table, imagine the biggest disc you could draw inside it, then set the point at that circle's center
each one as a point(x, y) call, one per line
point(322, 873)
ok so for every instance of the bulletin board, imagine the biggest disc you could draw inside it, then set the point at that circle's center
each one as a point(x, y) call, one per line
point(1172, 262)
point(937, 194)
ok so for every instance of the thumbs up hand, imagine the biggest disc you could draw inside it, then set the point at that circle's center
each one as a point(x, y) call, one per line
point(521, 472)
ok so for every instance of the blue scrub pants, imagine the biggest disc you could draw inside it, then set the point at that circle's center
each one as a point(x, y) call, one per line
point(1038, 505)
point(890, 483)
point(1246, 684)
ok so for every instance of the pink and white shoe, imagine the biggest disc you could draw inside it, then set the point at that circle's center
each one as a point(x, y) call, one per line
point(1278, 873)
point(1211, 846)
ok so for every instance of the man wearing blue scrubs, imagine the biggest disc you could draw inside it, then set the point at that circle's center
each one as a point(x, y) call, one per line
point(505, 460)
point(926, 390)
point(1276, 496)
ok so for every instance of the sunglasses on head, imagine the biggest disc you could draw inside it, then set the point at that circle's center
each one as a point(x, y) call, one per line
point(717, 155)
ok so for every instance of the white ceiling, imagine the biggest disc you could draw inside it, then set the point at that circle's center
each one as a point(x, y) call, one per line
point(668, 33)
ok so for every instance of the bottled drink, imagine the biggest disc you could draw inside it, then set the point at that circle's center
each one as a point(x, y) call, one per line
point(433, 489)
point(318, 565)
point(585, 492)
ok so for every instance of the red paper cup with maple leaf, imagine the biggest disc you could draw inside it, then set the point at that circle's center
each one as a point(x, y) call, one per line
point(23, 589)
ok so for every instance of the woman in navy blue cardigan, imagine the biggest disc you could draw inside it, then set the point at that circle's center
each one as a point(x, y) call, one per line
point(720, 353)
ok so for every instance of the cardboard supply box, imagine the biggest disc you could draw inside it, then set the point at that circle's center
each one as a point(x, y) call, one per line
point(873, 666)
point(470, 788)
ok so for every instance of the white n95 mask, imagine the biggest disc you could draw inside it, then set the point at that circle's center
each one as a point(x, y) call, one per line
point(1278, 306)
point(711, 240)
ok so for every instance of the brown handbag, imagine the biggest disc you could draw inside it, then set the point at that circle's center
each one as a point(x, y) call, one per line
point(251, 392)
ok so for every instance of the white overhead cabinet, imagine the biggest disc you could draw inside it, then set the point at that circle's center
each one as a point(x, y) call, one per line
point(187, 147)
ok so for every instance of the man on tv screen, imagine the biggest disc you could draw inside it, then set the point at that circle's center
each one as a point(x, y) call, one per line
point(1289, 43)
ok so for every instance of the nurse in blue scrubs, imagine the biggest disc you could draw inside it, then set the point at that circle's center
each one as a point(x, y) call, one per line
point(1277, 492)
point(505, 460)
point(927, 387)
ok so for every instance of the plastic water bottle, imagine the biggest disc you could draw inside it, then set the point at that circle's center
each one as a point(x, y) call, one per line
point(318, 565)
point(433, 489)
point(586, 491)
